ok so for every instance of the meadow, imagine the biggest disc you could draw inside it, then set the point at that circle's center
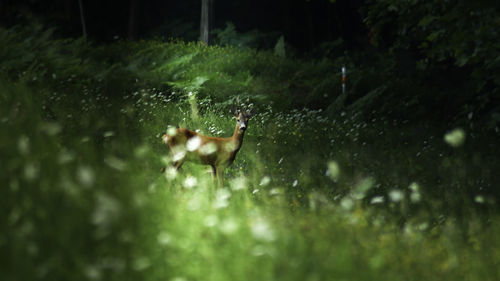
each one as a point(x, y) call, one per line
point(316, 192)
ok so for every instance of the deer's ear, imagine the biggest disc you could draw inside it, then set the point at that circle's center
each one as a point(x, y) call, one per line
point(234, 110)
point(250, 112)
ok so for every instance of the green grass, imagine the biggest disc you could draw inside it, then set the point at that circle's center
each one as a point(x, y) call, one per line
point(311, 195)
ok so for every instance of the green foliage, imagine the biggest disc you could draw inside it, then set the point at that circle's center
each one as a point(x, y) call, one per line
point(64, 196)
point(224, 72)
point(312, 195)
point(443, 41)
point(458, 30)
point(279, 48)
point(251, 39)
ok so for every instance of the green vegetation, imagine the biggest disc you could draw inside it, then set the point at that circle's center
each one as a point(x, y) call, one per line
point(326, 187)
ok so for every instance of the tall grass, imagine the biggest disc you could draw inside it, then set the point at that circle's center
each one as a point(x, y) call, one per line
point(311, 195)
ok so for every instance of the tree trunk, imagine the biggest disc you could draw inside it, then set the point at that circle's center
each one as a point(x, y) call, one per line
point(206, 20)
point(132, 20)
point(82, 20)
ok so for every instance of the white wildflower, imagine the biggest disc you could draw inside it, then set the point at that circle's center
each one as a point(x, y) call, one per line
point(208, 148)
point(262, 230)
point(190, 182)
point(455, 138)
point(193, 143)
point(396, 195)
point(377, 200)
point(265, 181)
point(333, 170)
point(86, 176)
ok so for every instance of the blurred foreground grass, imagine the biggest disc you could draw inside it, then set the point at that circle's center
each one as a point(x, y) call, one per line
point(309, 197)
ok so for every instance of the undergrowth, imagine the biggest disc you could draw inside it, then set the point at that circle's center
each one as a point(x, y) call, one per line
point(318, 192)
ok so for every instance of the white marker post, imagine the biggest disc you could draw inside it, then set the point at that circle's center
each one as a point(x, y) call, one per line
point(343, 79)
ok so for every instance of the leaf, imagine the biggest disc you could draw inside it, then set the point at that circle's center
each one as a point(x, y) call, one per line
point(434, 35)
point(279, 48)
point(392, 8)
point(461, 61)
point(187, 84)
point(176, 62)
point(198, 81)
point(426, 21)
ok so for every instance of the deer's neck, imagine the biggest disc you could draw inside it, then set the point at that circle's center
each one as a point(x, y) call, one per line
point(238, 137)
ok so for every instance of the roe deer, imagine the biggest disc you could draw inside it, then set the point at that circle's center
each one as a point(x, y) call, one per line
point(187, 145)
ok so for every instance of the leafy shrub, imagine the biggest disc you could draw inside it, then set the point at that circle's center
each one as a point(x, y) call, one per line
point(251, 39)
point(445, 41)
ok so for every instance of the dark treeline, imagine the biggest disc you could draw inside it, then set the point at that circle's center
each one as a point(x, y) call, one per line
point(304, 24)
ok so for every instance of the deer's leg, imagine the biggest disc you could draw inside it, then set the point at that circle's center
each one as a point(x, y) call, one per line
point(220, 179)
point(177, 164)
point(217, 174)
point(214, 172)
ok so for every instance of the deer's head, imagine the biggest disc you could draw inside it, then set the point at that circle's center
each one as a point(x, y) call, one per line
point(242, 117)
